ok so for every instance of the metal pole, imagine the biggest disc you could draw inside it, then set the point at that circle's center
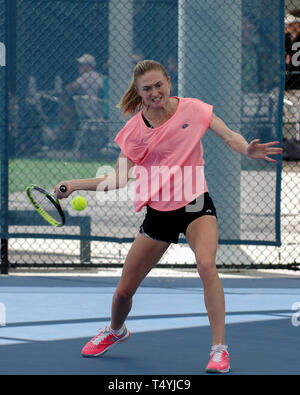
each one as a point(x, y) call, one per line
point(8, 73)
point(4, 256)
point(208, 73)
point(120, 55)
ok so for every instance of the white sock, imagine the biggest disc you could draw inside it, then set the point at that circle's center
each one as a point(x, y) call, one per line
point(118, 331)
point(220, 347)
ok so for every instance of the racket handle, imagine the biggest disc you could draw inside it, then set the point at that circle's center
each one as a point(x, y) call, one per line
point(63, 188)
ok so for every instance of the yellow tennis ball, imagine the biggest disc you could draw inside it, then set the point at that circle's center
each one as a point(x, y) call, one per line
point(79, 203)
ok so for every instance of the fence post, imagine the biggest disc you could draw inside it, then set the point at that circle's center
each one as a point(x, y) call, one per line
point(3, 248)
point(9, 92)
point(4, 256)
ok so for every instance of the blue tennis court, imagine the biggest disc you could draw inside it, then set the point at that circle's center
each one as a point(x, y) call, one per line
point(50, 318)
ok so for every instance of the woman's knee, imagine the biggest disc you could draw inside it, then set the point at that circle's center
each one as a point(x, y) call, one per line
point(124, 294)
point(206, 267)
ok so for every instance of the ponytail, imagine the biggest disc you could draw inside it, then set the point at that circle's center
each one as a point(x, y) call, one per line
point(131, 100)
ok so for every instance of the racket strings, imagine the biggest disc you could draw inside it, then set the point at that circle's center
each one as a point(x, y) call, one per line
point(45, 204)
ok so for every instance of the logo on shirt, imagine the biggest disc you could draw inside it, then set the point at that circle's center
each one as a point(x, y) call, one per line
point(185, 125)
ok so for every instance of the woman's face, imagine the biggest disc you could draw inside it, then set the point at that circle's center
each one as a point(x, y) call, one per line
point(153, 87)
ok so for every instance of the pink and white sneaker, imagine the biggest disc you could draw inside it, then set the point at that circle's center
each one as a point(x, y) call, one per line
point(219, 360)
point(102, 342)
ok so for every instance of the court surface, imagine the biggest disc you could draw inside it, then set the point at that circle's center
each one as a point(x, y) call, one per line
point(50, 318)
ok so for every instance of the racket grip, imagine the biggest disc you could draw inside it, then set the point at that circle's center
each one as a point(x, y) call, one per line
point(63, 188)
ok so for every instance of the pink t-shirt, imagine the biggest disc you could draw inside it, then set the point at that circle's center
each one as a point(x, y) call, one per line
point(170, 166)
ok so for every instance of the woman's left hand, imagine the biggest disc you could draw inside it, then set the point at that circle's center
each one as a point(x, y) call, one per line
point(261, 151)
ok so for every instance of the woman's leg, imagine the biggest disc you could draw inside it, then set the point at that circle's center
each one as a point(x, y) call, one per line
point(142, 257)
point(202, 236)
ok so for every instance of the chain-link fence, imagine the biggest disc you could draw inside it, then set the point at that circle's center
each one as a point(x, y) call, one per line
point(68, 64)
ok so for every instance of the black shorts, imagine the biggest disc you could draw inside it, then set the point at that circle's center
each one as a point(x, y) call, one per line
point(167, 225)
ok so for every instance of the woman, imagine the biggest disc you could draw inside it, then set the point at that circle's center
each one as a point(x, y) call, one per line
point(166, 134)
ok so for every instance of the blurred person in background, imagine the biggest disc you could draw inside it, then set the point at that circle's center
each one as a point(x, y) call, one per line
point(89, 83)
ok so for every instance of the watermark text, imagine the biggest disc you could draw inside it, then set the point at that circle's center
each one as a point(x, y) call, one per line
point(156, 183)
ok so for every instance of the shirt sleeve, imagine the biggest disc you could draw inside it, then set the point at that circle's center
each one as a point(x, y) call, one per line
point(128, 139)
point(121, 141)
point(205, 114)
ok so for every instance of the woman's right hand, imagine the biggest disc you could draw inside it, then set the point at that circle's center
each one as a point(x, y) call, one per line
point(63, 195)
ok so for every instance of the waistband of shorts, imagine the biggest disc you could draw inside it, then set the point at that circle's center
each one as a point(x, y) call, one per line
point(153, 210)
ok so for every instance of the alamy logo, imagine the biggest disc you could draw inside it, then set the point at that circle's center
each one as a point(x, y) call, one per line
point(2, 314)
point(157, 183)
point(295, 58)
point(2, 55)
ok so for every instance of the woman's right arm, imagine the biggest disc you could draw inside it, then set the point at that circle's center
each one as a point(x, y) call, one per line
point(109, 181)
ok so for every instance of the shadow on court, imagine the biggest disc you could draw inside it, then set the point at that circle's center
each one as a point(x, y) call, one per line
point(49, 319)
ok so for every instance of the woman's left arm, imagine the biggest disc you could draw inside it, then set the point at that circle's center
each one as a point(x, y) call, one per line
point(237, 142)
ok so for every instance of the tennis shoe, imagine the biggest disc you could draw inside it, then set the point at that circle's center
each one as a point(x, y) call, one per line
point(102, 342)
point(219, 360)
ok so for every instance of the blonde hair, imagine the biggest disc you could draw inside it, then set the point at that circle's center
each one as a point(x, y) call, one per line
point(131, 100)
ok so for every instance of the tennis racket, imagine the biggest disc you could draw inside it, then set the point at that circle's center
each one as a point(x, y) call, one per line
point(47, 204)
